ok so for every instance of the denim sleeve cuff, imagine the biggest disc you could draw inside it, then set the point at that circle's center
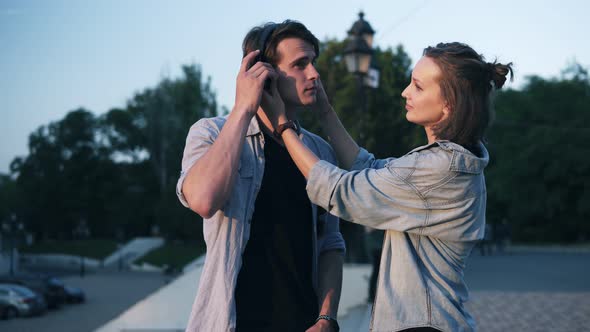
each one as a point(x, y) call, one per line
point(361, 160)
point(333, 241)
point(321, 182)
point(332, 238)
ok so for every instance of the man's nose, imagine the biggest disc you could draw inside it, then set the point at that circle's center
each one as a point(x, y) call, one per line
point(312, 73)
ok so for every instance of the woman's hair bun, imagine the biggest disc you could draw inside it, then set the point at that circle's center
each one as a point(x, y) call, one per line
point(499, 72)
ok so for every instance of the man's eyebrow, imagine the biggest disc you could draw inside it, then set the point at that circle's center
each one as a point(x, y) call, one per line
point(303, 57)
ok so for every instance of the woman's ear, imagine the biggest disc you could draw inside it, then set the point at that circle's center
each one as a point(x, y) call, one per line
point(446, 110)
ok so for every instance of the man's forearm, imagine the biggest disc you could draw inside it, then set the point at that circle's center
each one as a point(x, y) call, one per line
point(210, 181)
point(330, 282)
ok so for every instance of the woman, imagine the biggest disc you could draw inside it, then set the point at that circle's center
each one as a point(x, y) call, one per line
point(430, 202)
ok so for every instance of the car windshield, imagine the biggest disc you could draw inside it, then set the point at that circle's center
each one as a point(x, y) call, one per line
point(22, 290)
point(56, 282)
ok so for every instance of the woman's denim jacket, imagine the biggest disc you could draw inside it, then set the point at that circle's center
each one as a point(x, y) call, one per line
point(431, 202)
point(227, 232)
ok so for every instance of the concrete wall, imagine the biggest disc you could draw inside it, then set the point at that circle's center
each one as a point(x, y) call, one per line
point(133, 250)
point(58, 262)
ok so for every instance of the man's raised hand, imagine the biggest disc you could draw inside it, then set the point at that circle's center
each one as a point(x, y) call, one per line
point(250, 83)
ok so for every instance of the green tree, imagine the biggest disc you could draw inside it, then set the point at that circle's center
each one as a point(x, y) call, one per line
point(8, 197)
point(540, 168)
point(150, 135)
point(57, 180)
point(116, 172)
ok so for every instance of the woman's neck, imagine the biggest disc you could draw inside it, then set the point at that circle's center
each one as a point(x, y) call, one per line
point(430, 135)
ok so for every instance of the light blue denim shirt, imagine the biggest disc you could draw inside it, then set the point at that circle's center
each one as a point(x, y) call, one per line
point(227, 232)
point(431, 202)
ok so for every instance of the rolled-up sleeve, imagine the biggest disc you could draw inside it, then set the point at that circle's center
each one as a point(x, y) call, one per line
point(373, 197)
point(323, 177)
point(364, 159)
point(331, 239)
point(198, 141)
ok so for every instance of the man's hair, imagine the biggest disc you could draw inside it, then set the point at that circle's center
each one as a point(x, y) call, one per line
point(266, 37)
point(467, 82)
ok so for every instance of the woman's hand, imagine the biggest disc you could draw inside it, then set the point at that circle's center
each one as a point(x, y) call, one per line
point(273, 105)
point(322, 105)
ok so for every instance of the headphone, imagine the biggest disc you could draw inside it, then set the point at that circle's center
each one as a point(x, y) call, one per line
point(262, 44)
point(263, 41)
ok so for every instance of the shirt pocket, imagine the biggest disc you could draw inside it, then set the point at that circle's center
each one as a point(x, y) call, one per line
point(246, 167)
point(237, 205)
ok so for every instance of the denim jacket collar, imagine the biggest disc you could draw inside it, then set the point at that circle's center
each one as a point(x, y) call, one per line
point(463, 159)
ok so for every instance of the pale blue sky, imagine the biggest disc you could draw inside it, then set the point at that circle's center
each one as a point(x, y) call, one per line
point(58, 55)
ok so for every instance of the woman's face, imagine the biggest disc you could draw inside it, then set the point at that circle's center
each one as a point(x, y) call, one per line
point(424, 101)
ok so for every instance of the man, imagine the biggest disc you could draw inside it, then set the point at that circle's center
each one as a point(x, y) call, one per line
point(274, 260)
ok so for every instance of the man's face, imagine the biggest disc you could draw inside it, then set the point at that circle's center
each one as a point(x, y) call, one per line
point(298, 77)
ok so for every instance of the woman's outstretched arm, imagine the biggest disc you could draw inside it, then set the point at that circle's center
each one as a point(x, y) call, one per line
point(344, 146)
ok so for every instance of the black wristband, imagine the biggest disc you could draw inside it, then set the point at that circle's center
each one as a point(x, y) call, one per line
point(332, 321)
point(282, 127)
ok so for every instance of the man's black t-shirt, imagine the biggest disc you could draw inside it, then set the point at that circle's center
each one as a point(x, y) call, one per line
point(274, 290)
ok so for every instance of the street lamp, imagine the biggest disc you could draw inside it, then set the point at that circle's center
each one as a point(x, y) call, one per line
point(358, 54)
point(358, 50)
point(363, 28)
point(11, 228)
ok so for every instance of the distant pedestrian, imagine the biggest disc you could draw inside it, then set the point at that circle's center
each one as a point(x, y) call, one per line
point(485, 245)
point(502, 236)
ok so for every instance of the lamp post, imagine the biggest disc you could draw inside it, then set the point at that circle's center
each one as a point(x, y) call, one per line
point(11, 228)
point(358, 54)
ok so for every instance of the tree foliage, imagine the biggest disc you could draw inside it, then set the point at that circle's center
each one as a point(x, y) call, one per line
point(540, 169)
point(113, 173)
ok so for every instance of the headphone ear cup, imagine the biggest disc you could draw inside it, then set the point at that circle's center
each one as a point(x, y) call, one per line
point(262, 44)
point(263, 41)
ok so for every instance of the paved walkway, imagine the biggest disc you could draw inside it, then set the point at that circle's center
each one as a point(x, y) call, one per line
point(508, 311)
point(524, 291)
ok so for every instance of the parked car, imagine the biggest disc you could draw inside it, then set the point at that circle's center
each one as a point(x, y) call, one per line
point(20, 301)
point(52, 291)
point(74, 294)
point(5, 311)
